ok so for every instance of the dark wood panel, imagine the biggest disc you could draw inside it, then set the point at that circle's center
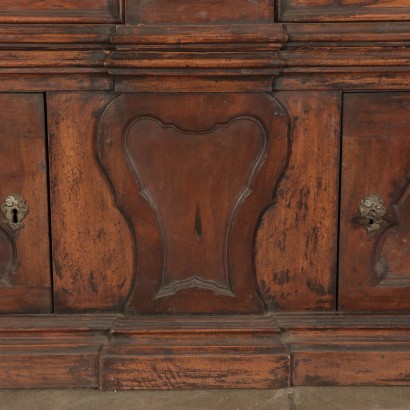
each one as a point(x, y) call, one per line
point(92, 256)
point(375, 265)
point(198, 11)
point(49, 11)
point(297, 239)
point(344, 10)
point(192, 178)
point(24, 254)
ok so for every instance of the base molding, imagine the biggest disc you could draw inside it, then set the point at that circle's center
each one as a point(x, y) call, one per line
point(146, 352)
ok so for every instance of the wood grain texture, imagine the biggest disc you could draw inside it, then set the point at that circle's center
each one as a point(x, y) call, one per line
point(24, 170)
point(36, 368)
point(145, 352)
point(239, 371)
point(296, 244)
point(375, 268)
point(51, 351)
point(18, 82)
point(189, 352)
point(58, 11)
point(92, 262)
point(193, 230)
point(385, 367)
point(344, 10)
point(198, 11)
point(341, 349)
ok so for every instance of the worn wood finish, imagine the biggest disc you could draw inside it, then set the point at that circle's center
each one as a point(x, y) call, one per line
point(59, 351)
point(195, 155)
point(24, 254)
point(344, 10)
point(297, 239)
point(165, 156)
point(374, 269)
point(219, 351)
point(92, 262)
point(213, 352)
point(198, 11)
point(347, 350)
point(57, 11)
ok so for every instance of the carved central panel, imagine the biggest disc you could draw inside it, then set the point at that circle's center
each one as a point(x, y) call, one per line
point(181, 174)
point(192, 175)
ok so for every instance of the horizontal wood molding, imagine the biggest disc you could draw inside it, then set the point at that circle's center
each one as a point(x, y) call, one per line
point(57, 11)
point(124, 352)
point(215, 57)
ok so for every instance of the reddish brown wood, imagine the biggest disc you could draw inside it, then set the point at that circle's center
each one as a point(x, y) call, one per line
point(51, 351)
point(57, 11)
point(217, 351)
point(329, 367)
point(192, 174)
point(198, 11)
point(212, 352)
point(344, 10)
point(193, 151)
point(24, 255)
point(375, 268)
point(297, 239)
point(92, 256)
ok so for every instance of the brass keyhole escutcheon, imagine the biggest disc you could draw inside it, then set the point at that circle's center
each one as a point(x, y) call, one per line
point(14, 210)
point(372, 211)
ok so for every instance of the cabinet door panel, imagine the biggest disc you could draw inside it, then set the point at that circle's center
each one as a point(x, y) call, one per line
point(193, 174)
point(24, 253)
point(375, 261)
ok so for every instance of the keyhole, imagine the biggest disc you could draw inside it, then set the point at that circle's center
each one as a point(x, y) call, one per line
point(15, 212)
point(371, 221)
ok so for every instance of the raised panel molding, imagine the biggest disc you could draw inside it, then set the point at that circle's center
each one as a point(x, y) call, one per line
point(192, 184)
point(8, 257)
point(391, 252)
point(176, 193)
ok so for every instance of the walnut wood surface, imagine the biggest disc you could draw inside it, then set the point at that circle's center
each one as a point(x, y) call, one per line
point(202, 69)
point(73, 11)
point(217, 351)
point(198, 11)
point(192, 175)
point(25, 283)
point(344, 10)
point(374, 269)
point(92, 263)
point(297, 240)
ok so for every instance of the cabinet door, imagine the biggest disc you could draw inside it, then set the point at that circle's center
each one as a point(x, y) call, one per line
point(375, 203)
point(24, 242)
